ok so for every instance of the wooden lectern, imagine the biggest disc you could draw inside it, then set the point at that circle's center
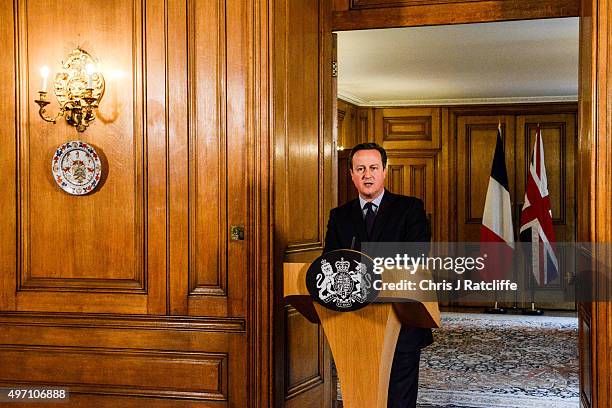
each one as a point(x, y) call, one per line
point(363, 341)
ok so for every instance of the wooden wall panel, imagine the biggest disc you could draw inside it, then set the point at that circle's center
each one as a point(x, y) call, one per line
point(100, 241)
point(449, 166)
point(83, 238)
point(355, 124)
point(418, 181)
point(303, 339)
point(218, 45)
point(208, 153)
point(416, 144)
point(346, 187)
point(476, 139)
point(153, 357)
point(407, 128)
point(395, 178)
point(146, 372)
point(188, 152)
point(347, 125)
point(557, 116)
point(239, 105)
point(303, 187)
point(305, 152)
point(365, 124)
point(475, 129)
point(559, 139)
point(220, 181)
point(156, 112)
point(8, 161)
point(414, 175)
point(413, 137)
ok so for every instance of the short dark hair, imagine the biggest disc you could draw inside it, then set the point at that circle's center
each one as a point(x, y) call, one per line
point(368, 146)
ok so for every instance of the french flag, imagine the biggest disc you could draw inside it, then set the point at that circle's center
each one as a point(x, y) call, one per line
point(497, 218)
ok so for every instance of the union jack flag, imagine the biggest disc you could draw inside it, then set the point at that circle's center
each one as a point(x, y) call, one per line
point(536, 218)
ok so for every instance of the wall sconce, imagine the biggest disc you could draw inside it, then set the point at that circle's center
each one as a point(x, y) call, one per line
point(78, 88)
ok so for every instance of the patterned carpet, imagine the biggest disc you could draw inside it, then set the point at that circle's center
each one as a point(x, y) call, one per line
point(501, 361)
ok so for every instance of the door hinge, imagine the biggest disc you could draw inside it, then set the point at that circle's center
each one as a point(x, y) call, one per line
point(334, 69)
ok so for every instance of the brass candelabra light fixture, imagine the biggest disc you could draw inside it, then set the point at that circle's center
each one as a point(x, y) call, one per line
point(78, 88)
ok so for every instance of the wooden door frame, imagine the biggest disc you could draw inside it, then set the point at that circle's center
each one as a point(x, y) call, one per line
point(594, 150)
point(371, 14)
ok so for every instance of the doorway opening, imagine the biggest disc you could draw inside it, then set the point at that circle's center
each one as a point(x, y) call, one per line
point(434, 97)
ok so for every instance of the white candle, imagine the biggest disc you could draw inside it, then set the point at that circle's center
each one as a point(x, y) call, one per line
point(90, 71)
point(44, 73)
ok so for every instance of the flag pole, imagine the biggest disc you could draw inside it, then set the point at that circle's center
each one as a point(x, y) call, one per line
point(515, 308)
point(538, 155)
point(532, 311)
point(532, 283)
point(496, 309)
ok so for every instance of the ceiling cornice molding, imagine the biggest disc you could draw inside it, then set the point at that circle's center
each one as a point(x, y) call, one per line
point(356, 100)
point(349, 97)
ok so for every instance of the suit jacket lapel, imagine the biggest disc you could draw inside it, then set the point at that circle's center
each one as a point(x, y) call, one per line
point(358, 222)
point(382, 215)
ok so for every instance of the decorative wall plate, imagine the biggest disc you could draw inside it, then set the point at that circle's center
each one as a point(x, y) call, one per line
point(76, 167)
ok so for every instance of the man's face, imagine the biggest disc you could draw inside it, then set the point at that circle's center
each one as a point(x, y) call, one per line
point(368, 173)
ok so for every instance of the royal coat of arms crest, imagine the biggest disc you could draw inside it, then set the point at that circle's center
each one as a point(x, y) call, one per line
point(342, 282)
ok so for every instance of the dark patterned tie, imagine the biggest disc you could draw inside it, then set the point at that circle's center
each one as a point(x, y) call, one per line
point(369, 218)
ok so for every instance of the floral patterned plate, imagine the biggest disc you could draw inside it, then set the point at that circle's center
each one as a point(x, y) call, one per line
point(76, 167)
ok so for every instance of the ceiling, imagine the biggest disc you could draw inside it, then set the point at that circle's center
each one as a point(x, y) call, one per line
point(505, 62)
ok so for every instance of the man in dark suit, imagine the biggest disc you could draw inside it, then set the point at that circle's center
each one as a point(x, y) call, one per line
point(380, 216)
